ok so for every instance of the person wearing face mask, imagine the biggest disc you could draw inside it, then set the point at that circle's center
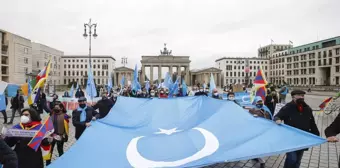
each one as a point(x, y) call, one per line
point(82, 117)
point(60, 122)
point(162, 94)
point(299, 115)
point(215, 95)
point(104, 105)
point(79, 93)
point(152, 94)
point(271, 101)
point(28, 157)
point(231, 97)
point(201, 92)
point(260, 111)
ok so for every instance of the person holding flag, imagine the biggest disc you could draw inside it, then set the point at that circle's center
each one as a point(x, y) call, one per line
point(27, 156)
point(82, 117)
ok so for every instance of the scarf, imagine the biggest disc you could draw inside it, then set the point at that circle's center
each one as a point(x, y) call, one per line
point(300, 108)
point(31, 125)
point(82, 114)
point(58, 123)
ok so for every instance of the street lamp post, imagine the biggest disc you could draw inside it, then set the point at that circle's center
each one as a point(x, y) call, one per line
point(90, 25)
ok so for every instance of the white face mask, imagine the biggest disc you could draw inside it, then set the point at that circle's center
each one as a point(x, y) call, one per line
point(25, 119)
point(201, 90)
point(215, 94)
point(152, 94)
point(231, 98)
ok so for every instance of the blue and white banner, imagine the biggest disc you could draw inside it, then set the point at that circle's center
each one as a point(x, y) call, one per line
point(181, 132)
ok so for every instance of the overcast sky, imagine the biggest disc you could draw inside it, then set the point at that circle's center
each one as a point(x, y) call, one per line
point(204, 30)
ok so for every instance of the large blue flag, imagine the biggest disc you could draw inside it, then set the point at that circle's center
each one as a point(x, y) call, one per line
point(212, 83)
point(174, 88)
point(109, 84)
point(90, 87)
point(2, 102)
point(12, 90)
point(147, 86)
point(181, 132)
point(184, 88)
point(135, 84)
point(71, 91)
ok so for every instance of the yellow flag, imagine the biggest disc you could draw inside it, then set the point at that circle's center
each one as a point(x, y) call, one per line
point(24, 89)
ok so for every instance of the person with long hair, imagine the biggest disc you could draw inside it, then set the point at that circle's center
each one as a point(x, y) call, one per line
point(61, 128)
point(28, 157)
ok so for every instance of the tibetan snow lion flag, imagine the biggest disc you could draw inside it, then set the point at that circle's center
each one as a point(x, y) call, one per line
point(324, 104)
point(180, 132)
point(45, 130)
point(260, 78)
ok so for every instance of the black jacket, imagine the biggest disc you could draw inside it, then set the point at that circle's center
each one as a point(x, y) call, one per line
point(27, 157)
point(301, 120)
point(17, 102)
point(104, 106)
point(7, 156)
point(80, 126)
point(201, 93)
point(334, 128)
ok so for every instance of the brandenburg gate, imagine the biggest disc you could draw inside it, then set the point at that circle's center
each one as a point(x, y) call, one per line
point(166, 59)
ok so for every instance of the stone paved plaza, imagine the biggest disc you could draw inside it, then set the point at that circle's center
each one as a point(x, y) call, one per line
point(323, 156)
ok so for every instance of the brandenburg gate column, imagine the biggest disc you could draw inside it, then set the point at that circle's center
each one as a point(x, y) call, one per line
point(159, 74)
point(170, 71)
point(179, 71)
point(187, 76)
point(142, 75)
point(151, 74)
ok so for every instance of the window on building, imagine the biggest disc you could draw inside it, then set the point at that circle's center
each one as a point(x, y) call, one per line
point(337, 60)
point(73, 73)
point(98, 81)
point(337, 51)
point(330, 61)
point(64, 81)
point(77, 73)
point(103, 73)
point(98, 73)
point(337, 80)
point(231, 74)
point(337, 69)
point(25, 60)
point(94, 73)
point(72, 66)
point(73, 60)
point(98, 66)
point(85, 65)
point(234, 73)
point(64, 73)
point(330, 53)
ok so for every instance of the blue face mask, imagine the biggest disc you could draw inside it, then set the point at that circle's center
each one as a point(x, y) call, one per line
point(259, 105)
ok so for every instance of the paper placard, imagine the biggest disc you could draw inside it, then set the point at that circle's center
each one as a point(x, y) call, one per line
point(19, 133)
point(278, 108)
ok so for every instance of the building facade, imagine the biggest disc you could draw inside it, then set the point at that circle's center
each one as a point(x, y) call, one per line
point(316, 63)
point(40, 56)
point(16, 58)
point(74, 68)
point(269, 50)
point(313, 64)
point(237, 70)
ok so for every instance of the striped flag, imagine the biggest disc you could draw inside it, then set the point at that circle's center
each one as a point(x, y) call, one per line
point(260, 78)
point(45, 130)
point(324, 104)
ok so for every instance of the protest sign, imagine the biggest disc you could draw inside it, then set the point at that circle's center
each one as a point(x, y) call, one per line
point(278, 107)
point(19, 133)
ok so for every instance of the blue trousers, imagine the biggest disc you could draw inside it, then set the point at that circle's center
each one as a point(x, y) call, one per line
point(293, 159)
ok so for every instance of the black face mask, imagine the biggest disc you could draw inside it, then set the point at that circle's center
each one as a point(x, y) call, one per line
point(82, 105)
point(56, 110)
point(300, 101)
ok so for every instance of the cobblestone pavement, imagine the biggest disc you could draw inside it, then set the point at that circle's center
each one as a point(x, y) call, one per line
point(323, 156)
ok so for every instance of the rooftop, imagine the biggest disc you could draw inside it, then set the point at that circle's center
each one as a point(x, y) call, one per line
point(241, 58)
point(86, 56)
